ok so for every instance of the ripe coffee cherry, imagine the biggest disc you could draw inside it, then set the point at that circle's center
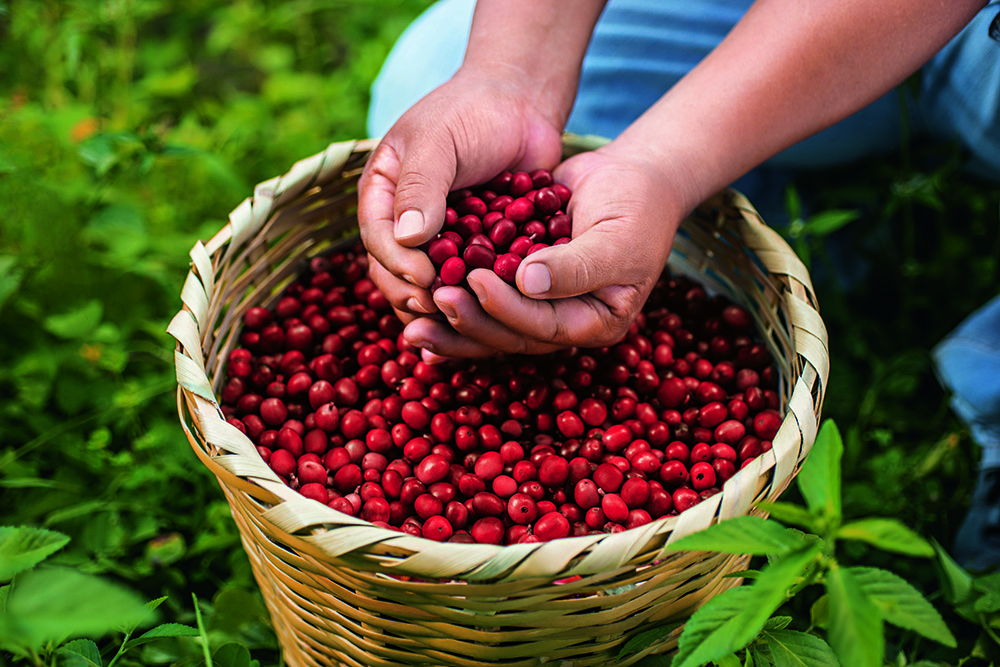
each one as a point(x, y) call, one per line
point(551, 526)
point(702, 476)
point(521, 508)
point(585, 494)
point(765, 424)
point(488, 530)
point(614, 508)
point(685, 498)
point(553, 471)
point(673, 474)
point(437, 528)
point(433, 468)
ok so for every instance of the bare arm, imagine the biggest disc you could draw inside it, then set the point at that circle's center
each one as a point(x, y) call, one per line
point(789, 69)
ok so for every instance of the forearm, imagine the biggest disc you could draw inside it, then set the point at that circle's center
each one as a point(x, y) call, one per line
point(789, 69)
point(541, 42)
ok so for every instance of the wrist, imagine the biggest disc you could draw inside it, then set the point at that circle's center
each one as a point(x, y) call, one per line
point(537, 44)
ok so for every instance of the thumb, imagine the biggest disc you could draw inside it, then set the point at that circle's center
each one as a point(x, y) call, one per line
point(595, 259)
point(427, 171)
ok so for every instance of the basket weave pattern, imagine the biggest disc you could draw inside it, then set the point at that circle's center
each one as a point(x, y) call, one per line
point(341, 591)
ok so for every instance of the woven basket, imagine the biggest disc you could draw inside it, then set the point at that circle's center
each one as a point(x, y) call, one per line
point(342, 591)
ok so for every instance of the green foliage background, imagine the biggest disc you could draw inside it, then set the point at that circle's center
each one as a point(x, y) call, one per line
point(130, 129)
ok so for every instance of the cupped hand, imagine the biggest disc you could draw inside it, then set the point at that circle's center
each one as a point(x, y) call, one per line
point(625, 210)
point(461, 134)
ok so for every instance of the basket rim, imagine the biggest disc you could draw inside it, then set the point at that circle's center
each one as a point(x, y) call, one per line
point(291, 514)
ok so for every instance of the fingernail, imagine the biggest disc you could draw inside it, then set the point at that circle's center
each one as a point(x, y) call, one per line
point(422, 343)
point(411, 223)
point(448, 310)
point(413, 303)
point(537, 280)
point(477, 288)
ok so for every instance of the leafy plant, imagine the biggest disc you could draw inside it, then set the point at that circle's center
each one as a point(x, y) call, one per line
point(49, 611)
point(856, 603)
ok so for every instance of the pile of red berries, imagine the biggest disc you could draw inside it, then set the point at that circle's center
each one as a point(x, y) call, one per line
point(502, 450)
point(497, 224)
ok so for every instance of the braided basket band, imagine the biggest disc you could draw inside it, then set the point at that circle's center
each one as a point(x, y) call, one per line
point(341, 590)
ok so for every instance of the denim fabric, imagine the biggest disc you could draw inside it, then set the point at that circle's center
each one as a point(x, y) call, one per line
point(640, 48)
point(968, 364)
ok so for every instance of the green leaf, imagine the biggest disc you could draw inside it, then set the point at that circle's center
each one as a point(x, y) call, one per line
point(819, 478)
point(76, 323)
point(957, 583)
point(819, 612)
point(728, 661)
point(647, 638)
point(789, 514)
point(888, 535)
point(11, 275)
point(777, 623)
point(854, 627)
point(742, 535)
point(731, 624)
point(988, 603)
point(709, 633)
point(231, 655)
point(161, 632)
point(901, 604)
point(828, 222)
point(80, 653)
point(790, 648)
point(54, 603)
point(654, 660)
point(24, 547)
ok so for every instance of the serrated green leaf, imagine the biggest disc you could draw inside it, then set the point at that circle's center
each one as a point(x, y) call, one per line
point(819, 478)
point(790, 648)
point(709, 633)
point(231, 655)
point(647, 638)
point(788, 513)
point(80, 653)
point(161, 632)
point(901, 604)
point(76, 323)
point(53, 603)
point(730, 625)
point(888, 535)
point(742, 535)
point(777, 623)
point(24, 547)
point(854, 628)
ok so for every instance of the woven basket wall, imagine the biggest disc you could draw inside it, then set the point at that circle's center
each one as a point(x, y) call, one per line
point(341, 591)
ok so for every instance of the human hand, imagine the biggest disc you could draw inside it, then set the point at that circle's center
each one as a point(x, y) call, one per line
point(585, 293)
point(461, 134)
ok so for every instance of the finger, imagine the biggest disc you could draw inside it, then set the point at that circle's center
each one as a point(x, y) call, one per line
point(376, 201)
point(403, 296)
point(585, 321)
point(427, 168)
point(468, 319)
point(603, 255)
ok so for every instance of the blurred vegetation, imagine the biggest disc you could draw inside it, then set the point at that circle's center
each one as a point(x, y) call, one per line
point(129, 129)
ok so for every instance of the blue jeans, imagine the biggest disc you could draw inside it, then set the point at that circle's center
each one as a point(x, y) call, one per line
point(640, 48)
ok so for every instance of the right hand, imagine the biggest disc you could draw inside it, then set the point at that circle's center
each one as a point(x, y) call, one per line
point(461, 134)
